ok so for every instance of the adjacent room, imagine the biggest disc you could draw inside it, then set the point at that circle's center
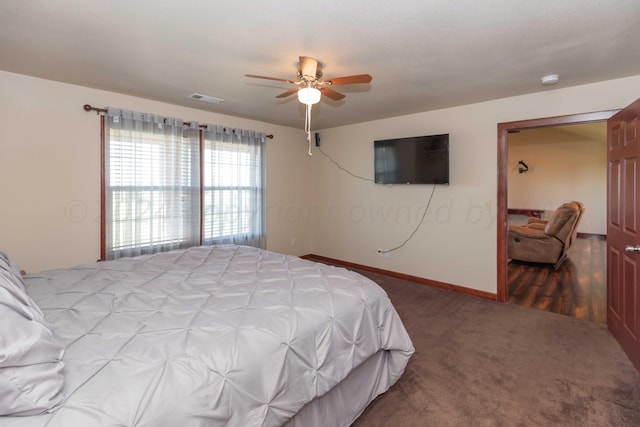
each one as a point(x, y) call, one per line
point(548, 167)
point(414, 213)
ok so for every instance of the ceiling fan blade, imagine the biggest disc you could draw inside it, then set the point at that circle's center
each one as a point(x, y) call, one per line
point(288, 93)
point(269, 78)
point(331, 94)
point(349, 80)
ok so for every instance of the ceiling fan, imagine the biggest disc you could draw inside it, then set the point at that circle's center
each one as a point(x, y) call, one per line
point(310, 77)
point(310, 87)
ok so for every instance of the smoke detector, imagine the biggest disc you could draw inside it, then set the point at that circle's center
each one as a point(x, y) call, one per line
point(550, 80)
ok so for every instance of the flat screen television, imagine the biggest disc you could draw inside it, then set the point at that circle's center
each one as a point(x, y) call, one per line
point(413, 160)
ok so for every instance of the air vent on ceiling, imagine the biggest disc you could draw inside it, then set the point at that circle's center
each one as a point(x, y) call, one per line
point(206, 98)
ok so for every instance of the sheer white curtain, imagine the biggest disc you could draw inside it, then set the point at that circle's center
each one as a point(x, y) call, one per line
point(233, 200)
point(152, 183)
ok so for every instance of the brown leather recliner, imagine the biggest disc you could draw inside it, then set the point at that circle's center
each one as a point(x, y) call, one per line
point(546, 241)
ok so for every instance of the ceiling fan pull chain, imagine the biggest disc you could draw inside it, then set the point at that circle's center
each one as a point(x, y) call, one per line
point(307, 127)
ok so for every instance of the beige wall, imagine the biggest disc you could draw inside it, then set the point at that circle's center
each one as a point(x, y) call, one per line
point(50, 171)
point(49, 174)
point(562, 167)
point(457, 242)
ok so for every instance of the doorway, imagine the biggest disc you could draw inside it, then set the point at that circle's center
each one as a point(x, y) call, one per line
point(550, 166)
point(503, 171)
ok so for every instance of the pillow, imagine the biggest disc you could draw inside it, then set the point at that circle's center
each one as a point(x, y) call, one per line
point(31, 364)
point(6, 265)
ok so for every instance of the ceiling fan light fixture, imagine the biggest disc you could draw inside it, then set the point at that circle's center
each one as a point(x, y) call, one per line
point(309, 95)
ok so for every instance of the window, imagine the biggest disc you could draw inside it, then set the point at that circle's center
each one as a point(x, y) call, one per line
point(154, 199)
point(233, 188)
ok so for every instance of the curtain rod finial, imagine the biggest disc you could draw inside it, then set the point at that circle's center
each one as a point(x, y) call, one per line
point(87, 107)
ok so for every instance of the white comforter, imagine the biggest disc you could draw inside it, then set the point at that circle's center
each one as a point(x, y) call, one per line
point(222, 335)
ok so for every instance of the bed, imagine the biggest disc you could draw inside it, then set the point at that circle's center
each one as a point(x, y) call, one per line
point(207, 336)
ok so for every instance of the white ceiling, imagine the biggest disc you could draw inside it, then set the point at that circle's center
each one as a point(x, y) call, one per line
point(422, 54)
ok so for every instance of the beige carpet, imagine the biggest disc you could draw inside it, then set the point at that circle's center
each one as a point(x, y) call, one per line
point(483, 363)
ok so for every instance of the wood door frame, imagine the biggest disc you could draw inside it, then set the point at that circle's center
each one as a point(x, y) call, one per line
point(503, 168)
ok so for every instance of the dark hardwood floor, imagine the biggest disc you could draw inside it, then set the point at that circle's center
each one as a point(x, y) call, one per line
point(577, 288)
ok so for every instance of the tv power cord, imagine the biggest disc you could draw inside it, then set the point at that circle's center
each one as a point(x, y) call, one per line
point(424, 214)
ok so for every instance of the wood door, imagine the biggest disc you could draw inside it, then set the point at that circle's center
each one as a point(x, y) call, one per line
point(623, 235)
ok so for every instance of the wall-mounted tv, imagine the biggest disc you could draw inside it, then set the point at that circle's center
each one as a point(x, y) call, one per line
point(414, 160)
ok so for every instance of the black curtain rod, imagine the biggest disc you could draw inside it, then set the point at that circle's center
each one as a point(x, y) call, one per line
point(99, 111)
